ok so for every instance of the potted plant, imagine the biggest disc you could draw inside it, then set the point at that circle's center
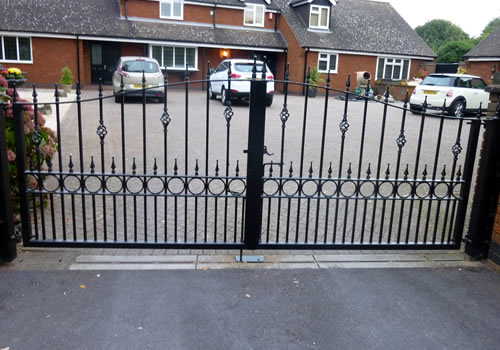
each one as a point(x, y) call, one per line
point(66, 79)
point(14, 76)
point(314, 79)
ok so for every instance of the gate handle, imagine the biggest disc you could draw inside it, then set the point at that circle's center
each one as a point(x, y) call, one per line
point(266, 152)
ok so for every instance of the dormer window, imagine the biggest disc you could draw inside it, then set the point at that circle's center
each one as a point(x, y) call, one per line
point(254, 15)
point(171, 9)
point(319, 17)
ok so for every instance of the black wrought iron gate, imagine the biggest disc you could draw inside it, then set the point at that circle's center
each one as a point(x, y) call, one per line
point(361, 174)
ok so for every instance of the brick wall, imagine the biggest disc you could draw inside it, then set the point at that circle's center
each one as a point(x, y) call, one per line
point(49, 57)
point(192, 13)
point(482, 69)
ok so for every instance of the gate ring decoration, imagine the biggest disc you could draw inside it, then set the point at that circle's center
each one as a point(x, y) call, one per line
point(400, 189)
point(49, 180)
point(439, 186)
point(328, 192)
point(421, 186)
point(176, 181)
point(109, 184)
point(456, 189)
point(236, 192)
point(312, 190)
point(66, 183)
point(192, 183)
point(273, 191)
point(150, 184)
point(385, 189)
point(293, 183)
point(345, 190)
point(364, 189)
point(129, 184)
point(212, 186)
point(88, 184)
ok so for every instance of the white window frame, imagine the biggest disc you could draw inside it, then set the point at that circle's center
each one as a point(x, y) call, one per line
point(328, 58)
point(254, 8)
point(161, 2)
point(393, 63)
point(18, 59)
point(316, 9)
point(174, 68)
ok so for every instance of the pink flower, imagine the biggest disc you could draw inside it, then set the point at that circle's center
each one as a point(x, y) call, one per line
point(11, 156)
point(3, 81)
point(41, 120)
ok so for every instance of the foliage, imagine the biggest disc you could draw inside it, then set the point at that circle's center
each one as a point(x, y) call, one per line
point(461, 70)
point(421, 74)
point(439, 32)
point(454, 51)
point(46, 149)
point(315, 77)
point(12, 74)
point(490, 27)
point(66, 76)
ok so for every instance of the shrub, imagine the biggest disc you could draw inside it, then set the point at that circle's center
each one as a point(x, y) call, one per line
point(48, 145)
point(66, 76)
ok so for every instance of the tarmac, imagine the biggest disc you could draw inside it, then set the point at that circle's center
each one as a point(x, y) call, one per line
point(346, 301)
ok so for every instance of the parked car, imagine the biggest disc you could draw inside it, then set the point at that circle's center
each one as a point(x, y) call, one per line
point(240, 69)
point(131, 69)
point(463, 93)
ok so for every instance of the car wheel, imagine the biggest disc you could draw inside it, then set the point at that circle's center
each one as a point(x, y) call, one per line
point(457, 109)
point(223, 95)
point(269, 101)
point(211, 92)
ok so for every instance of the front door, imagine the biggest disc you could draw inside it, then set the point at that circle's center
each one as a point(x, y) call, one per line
point(104, 57)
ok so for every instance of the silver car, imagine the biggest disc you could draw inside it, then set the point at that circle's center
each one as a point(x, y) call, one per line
point(131, 69)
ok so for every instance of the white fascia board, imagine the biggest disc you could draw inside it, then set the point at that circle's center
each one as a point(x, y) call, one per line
point(39, 35)
point(371, 54)
point(484, 59)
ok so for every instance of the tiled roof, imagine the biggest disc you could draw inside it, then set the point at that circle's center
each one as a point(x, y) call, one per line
point(102, 18)
point(362, 26)
point(488, 47)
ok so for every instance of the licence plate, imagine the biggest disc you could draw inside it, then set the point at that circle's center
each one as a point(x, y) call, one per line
point(430, 92)
point(139, 86)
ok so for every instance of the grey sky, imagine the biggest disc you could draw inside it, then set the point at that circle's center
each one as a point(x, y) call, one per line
point(470, 15)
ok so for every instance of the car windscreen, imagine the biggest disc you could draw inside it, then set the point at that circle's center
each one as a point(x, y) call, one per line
point(139, 66)
point(247, 67)
point(434, 80)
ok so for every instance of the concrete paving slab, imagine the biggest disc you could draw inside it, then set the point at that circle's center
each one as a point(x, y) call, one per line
point(133, 267)
point(259, 266)
point(370, 257)
point(136, 259)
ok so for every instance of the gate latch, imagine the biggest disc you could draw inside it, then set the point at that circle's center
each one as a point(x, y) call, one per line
point(266, 152)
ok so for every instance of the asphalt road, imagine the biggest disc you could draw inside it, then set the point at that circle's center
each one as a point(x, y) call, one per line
point(251, 309)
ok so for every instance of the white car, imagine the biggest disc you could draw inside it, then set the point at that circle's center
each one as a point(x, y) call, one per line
point(240, 69)
point(131, 69)
point(463, 93)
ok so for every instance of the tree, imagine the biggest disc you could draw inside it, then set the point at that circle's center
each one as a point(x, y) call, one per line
point(439, 32)
point(490, 27)
point(454, 51)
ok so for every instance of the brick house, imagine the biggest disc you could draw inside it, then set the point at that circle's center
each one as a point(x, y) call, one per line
point(484, 56)
point(348, 36)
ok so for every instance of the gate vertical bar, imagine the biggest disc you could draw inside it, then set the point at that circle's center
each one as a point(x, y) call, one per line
point(21, 167)
point(7, 243)
point(255, 166)
point(470, 157)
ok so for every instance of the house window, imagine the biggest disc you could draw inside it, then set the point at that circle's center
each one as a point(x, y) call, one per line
point(318, 17)
point(254, 15)
point(175, 57)
point(393, 68)
point(327, 62)
point(171, 9)
point(15, 49)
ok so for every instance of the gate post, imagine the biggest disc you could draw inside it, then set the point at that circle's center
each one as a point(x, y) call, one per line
point(7, 237)
point(485, 202)
point(255, 159)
